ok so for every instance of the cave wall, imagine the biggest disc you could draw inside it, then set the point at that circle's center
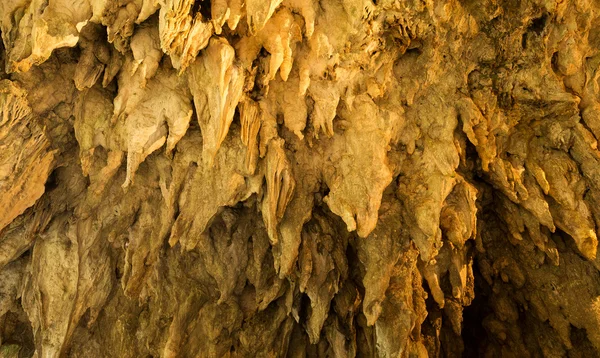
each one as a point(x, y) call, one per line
point(321, 178)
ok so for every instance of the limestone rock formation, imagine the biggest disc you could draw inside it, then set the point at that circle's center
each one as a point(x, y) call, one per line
point(302, 178)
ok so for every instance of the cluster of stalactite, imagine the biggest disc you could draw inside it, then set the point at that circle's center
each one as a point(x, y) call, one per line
point(258, 178)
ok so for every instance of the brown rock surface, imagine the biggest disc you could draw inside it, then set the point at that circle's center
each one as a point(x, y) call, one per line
point(321, 178)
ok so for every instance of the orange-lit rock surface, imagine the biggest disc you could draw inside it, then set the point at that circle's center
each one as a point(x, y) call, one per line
point(302, 178)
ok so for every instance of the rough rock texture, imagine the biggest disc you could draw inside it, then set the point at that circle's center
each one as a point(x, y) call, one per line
point(322, 178)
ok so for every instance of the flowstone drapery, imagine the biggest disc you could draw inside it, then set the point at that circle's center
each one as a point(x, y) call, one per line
point(269, 178)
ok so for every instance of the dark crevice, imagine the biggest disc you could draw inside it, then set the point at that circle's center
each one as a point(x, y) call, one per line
point(473, 333)
point(196, 7)
point(538, 25)
point(204, 8)
point(414, 51)
point(52, 182)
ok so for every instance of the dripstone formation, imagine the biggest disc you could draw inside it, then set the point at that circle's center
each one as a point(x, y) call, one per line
point(299, 178)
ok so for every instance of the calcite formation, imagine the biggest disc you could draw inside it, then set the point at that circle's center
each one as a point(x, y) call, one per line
point(302, 178)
